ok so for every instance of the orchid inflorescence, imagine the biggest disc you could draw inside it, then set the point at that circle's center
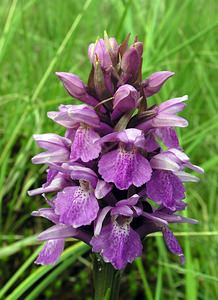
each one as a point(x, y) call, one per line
point(117, 175)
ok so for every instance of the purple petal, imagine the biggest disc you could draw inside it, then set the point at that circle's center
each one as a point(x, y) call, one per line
point(173, 105)
point(58, 183)
point(99, 50)
point(186, 177)
point(83, 173)
point(102, 189)
point(77, 206)
point(171, 218)
point(150, 142)
point(130, 64)
point(168, 136)
point(182, 158)
point(47, 213)
point(155, 82)
point(155, 218)
point(173, 244)
point(85, 146)
point(128, 136)
point(133, 200)
point(76, 88)
point(51, 141)
point(125, 99)
point(100, 219)
point(59, 231)
point(168, 120)
point(50, 252)
point(123, 210)
point(48, 157)
point(71, 116)
point(165, 188)
point(118, 244)
point(124, 168)
point(162, 161)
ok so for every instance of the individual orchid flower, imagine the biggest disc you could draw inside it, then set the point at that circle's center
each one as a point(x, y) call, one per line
point(154, 82)
point(58, 148)
point(54, 237)
point(164, 115)
point(78, 205)
point(81, 120)
point(125, 165)
point(116, 241)
point(165, 186)
point(56, 181)
point(76, 88)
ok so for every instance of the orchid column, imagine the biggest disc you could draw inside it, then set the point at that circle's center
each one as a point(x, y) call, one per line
point(109, 182)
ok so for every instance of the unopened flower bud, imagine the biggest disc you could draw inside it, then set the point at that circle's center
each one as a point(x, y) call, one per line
point(76, 88)
point(153, 84)
point(130, 64)
point(125, 99)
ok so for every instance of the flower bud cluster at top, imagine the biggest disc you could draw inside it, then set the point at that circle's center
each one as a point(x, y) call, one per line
point(109, 181)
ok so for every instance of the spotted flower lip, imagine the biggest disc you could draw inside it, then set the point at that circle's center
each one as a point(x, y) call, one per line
point(78, 205)
point(83, 119)
point(117, 242)
point(125, 165)
point(118, 172)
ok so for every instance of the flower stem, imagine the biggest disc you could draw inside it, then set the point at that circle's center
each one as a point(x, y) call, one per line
point(106, 280)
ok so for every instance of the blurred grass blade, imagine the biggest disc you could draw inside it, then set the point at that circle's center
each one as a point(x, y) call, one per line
point(51, 277)
point(159, 284)
point(17, 246)
point(60, 50)
point(19, 272)
point(76, 250)
point(147, 290)
point(7, 26)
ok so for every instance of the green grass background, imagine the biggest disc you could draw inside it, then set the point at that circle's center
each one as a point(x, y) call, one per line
point(39, 37)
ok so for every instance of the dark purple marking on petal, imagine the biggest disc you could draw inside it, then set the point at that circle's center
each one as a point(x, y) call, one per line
point(118, 244)
point(165, 188)
point(85, 146)
point(77, 206)
point(124, 168)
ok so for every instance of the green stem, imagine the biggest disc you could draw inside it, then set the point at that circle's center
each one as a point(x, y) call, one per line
point(106, 280)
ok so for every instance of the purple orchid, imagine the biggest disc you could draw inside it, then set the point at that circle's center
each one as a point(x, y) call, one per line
point(125, 165)
point(81, 121)
point(111, 147)
point(154, 82)
point(117, 242)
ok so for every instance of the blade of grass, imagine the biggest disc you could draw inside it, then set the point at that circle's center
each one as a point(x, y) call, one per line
point(17, 246)
point(147, 290)
point(50, 278)
point(19, 272)
point(75, 250)
point(7, 25)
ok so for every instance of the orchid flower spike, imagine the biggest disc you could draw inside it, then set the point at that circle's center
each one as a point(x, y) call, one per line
point(115, 143)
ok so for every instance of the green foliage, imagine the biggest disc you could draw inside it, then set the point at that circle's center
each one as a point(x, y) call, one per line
point(41, 37)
